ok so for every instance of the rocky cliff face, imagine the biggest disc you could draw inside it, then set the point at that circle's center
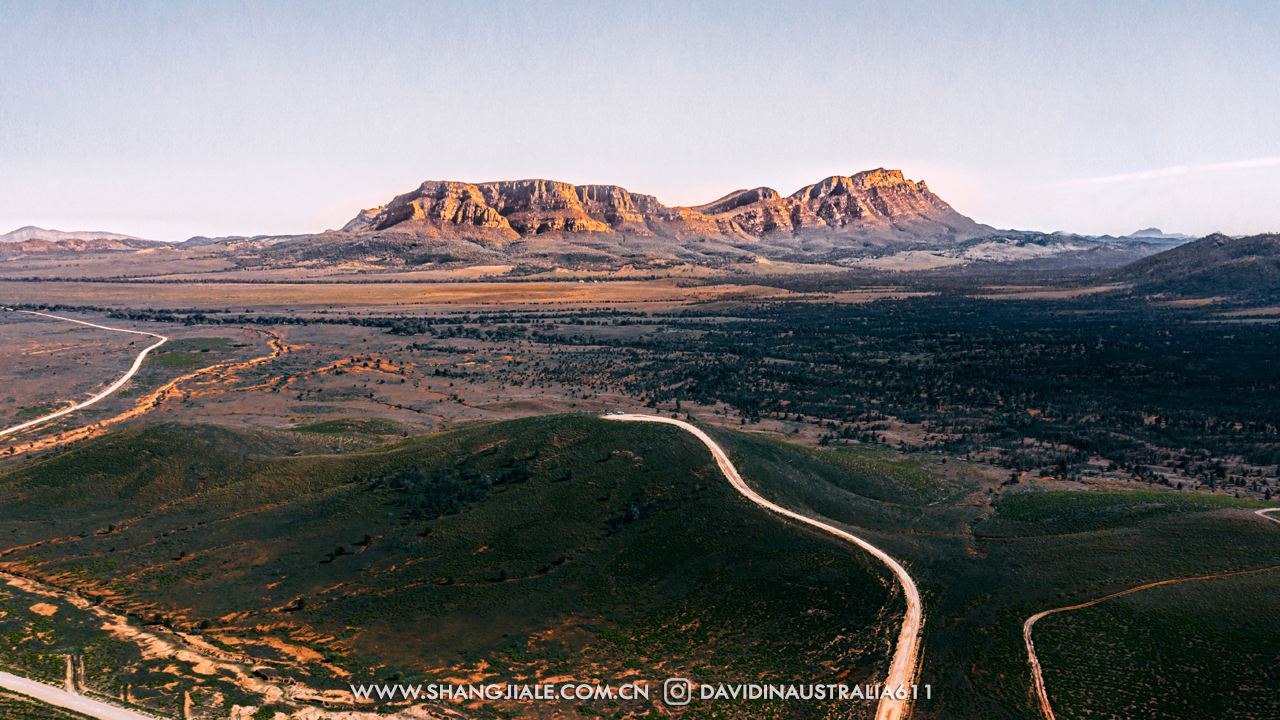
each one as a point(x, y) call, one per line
point(433, 206)
point(868, 200)
point(878, 201)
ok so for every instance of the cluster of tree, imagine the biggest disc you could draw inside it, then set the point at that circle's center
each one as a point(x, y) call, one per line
point(993, 373)
point(638, 508)
point(429, 494)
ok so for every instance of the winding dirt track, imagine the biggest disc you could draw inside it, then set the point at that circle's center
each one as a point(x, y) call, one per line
point(151, 400)
point(1038, 680)
point(902, 671)
point(137, 363)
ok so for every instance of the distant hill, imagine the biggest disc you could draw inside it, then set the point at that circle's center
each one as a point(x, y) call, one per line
point(31, 232)
point(32, 240)
point(203, 241)
point(1156, 234)
point(97, 245)
point(1216, 265)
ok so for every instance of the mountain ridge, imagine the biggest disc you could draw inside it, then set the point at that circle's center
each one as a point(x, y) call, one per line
point(1216, 265)
point(877, 219)
point(873, 219)
point(31, 232)
point(871, 202)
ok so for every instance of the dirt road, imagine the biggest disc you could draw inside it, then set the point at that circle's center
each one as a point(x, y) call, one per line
point(137, 363)
point(70, 701)
point(1038, 680)
point(150, 401)
point(902, 671)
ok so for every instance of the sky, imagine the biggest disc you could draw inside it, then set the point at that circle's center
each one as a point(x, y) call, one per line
point(172, 119)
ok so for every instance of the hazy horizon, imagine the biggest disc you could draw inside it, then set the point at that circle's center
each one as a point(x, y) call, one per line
point(237, 119)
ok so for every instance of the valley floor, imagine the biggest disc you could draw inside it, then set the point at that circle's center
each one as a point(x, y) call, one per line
point(413, 484)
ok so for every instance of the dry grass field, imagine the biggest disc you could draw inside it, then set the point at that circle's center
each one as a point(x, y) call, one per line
point(333, 369)
point(391, 297)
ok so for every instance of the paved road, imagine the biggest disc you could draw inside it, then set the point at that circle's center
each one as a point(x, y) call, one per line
point(70, 701)
point(112, 388)
point(1037, 679)
point(902, 671)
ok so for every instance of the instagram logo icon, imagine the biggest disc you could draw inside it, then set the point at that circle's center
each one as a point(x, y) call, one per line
point(677, 691)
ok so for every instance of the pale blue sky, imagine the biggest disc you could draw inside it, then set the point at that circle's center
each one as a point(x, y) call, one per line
point(173, 119)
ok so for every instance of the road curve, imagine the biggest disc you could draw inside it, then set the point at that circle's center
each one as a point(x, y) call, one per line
point(71, 701)
point(137, 363)
point(902, 669)
point(1038, 680)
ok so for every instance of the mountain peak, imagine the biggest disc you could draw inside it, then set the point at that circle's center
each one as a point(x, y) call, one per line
point(737, 199)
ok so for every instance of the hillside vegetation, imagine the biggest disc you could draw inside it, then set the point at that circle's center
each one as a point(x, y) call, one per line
point(551, 546)
point(1216, 265)
point(568, 546)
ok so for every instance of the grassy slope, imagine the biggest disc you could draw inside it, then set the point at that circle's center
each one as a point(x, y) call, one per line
point(1159, 653)
point(983, 572)
point(702, 583)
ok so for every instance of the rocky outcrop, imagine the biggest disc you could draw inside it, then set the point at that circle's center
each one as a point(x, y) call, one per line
point(433, 206)
point(876, 200)
point(738, 199)
point(533, 207)
point(618, 208)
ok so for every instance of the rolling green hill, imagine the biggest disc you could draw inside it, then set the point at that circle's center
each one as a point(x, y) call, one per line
point(539, 547)
point(568, 546)
point(1213, 265)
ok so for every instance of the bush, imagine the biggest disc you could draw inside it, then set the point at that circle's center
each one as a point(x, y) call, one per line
point(447, 490)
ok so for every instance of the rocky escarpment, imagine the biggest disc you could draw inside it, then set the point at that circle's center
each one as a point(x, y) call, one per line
point(872, 200)
point(876, 201)
point(877, 219)
point(434, 205)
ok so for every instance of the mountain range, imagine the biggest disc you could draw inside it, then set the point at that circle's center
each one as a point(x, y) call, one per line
point(879, 202)
point(874, 218)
